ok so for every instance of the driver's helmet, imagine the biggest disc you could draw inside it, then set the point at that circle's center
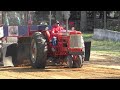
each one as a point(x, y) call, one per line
point(57, 22)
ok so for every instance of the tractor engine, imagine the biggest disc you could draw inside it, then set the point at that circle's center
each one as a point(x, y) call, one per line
point(64, 43)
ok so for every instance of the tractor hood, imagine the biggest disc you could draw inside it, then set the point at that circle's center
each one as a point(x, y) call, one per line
point(69, 32)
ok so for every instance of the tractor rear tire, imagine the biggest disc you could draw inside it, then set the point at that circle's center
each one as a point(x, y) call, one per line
point(38, 50)
point(78, 63)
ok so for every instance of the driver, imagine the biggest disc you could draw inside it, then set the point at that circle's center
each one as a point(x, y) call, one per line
point(56, 28)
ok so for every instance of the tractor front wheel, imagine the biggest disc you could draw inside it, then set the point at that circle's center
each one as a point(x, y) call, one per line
point(69, 61)
point(78, 63)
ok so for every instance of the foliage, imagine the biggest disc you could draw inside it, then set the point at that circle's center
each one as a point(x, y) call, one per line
point(87, 36)
point(14, 17)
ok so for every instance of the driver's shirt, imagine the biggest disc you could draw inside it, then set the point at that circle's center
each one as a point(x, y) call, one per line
point(56, 29)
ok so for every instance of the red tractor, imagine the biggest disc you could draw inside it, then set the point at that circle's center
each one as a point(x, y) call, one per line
point(40, 45)
point(65, 46)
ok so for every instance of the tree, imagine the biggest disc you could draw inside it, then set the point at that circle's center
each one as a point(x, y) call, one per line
point(59, 16)
point(66, 17)
point(83, 21)
point(105, 20)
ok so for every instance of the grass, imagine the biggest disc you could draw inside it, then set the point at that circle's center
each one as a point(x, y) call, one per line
point(103, 46)
point(87, 36)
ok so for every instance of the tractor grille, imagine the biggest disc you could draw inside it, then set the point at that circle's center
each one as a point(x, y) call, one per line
point(75, 41)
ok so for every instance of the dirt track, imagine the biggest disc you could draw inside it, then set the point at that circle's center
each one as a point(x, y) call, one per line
point(99, 67)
